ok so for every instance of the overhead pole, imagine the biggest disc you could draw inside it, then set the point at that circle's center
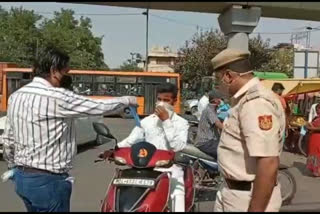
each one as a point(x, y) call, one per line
point(147, 37)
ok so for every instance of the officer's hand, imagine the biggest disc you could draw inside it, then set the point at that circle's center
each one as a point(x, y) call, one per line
point(131, 100)
point(162, 113)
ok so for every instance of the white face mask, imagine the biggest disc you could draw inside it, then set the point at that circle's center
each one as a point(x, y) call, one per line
point(225, 87)
point(167, 106)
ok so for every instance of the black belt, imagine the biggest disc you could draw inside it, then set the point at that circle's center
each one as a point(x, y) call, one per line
point(34, 170)
point(239, 185)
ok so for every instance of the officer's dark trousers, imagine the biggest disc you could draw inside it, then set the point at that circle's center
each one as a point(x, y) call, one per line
point(43, 192)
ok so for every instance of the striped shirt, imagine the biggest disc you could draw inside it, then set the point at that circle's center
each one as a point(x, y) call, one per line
point(40, 131)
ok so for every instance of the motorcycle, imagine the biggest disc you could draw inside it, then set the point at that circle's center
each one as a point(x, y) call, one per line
point(139, 188)
point(208, 176)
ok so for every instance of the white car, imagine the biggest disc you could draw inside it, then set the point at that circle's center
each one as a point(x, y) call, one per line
point(84, 129)
point(191, 106)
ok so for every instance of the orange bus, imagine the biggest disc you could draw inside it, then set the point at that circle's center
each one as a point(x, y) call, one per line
point(102, 84)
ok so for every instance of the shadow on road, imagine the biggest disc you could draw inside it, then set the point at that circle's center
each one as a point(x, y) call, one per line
point(86, 146)
point(205, 195)
point(302, 168)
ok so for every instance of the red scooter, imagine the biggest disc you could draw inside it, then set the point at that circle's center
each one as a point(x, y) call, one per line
point(139, 188)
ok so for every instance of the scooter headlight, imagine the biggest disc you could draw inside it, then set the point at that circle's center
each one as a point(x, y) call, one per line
point(119, 160)
point(162, 163)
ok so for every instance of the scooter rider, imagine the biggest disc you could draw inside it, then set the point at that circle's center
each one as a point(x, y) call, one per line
point(166, 131)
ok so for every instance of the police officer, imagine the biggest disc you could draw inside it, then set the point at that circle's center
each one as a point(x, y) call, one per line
point(251, 140)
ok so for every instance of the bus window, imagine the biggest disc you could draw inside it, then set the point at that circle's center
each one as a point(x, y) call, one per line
point(82, 84)
point(155, 80)
point(103, 86)
point(173, 80)
point(126, 79)
point(129, 89)
point(104, 89)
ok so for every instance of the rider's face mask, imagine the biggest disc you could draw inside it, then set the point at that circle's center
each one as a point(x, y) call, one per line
point(169, 108)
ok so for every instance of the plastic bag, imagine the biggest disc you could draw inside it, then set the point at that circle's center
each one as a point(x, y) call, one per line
point(8, 175)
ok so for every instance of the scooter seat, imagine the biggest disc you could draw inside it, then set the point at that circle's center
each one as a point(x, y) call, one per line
point(193, 151)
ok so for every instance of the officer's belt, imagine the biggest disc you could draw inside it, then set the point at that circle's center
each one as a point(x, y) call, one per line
point(239, 185)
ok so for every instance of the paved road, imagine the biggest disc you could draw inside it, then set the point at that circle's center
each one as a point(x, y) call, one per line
point(92, 179)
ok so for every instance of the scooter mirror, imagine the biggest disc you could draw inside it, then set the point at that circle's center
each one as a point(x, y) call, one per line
point(103, 130)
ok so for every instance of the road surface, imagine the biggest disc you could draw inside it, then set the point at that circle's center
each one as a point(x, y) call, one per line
point(92, 179)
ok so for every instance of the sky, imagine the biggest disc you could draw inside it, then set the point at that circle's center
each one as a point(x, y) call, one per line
point(127, 33)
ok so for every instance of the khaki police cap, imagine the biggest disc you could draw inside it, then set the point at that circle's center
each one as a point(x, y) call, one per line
point(228, 56)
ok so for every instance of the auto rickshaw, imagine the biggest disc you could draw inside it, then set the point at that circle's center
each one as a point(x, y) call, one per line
point(300, 95)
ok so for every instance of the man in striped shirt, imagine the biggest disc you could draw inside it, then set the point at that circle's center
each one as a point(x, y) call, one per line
point(39, 136)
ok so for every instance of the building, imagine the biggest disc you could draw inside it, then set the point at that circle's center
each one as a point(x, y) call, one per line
point(160, 59)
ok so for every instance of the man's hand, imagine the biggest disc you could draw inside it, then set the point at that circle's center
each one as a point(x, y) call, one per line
point(131, 100)
point(162, 113)
point(106, 154)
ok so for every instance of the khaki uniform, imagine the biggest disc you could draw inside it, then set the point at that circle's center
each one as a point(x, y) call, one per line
point(254, 128)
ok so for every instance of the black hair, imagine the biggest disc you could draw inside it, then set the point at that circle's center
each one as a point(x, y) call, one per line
point(168, 88)
point(214, 94)
point(66, 82)
point(50, 59)
point(277, 86)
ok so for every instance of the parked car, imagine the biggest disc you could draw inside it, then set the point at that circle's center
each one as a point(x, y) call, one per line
point(84, 129)
point(191, 106)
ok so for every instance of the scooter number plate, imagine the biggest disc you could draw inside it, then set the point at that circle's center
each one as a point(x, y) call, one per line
point(149, 183)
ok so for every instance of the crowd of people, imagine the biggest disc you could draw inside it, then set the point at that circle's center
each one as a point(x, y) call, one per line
point(245, 136)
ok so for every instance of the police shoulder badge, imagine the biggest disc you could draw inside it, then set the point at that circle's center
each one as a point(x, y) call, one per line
point(265, 122)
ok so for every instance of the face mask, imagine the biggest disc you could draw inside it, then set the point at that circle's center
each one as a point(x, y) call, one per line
point(225, 87)
point(169, 108)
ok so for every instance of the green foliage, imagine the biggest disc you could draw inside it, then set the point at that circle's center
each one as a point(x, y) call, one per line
point(131, 64)
point(128, 66)
point(23, 33)
point(194, 58)
point(18, 35)
point(194, 61)
point(281, 61)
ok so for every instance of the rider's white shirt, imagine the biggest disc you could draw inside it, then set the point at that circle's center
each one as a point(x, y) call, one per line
point(203, 102)
point(171, 134)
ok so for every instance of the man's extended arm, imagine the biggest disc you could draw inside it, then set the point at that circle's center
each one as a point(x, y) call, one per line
point(73, 105)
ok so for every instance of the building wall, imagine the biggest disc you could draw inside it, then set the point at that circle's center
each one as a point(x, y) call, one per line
point(161, 59)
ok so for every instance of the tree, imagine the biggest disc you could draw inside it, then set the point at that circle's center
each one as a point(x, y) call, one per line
point(128, 66)
point(261, 52)
point(132, 64)
point(194, 61)
point(194, 58)
point(74, 37)
point(23, 33)
point(281, 61)
point(18, 36)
